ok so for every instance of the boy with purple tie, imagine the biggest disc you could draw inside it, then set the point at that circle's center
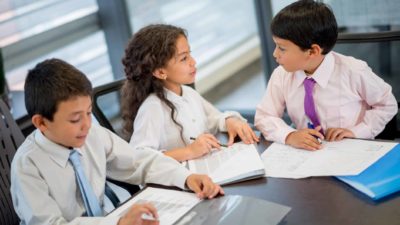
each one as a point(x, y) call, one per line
point(338, 95)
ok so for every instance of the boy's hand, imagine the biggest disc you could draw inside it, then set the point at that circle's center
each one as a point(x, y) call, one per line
point(134, 215)
point(203, 145)
point(305, 139)
point(337, 134)
point(203, 186)
point(235, 127)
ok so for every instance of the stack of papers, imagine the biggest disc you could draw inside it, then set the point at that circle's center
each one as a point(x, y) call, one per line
point(232, 164)
point(341, 158)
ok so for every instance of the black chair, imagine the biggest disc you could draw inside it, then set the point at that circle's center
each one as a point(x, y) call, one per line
point(391, 131)
point(106, 104)
point(4, 89)
point(11, 138)
point(106, 108)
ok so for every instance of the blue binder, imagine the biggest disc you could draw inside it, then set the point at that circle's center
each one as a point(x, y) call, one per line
point(380, 179)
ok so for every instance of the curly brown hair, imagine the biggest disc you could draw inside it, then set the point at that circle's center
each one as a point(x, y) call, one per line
point(149, 49)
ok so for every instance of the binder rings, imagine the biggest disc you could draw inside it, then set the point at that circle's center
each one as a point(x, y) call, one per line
point(380, 179)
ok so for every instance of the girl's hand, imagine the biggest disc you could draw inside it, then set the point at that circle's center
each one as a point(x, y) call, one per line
point(203, 145)
point(235, 127)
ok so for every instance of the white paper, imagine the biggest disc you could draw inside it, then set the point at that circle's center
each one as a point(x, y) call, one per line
point(341, 158)
point(171, 205)
point(229, 164)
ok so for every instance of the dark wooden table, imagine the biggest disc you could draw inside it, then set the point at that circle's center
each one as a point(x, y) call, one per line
point(320, 200)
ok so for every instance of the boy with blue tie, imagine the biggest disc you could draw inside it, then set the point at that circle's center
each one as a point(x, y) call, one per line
point(338, 95)
point(58, 174)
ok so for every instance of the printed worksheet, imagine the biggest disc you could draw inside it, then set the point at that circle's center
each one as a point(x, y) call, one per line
point(341, 158)
point(170, 204)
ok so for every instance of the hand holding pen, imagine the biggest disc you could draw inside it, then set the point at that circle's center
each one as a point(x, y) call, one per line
point(305, 138)
point(311, 126)
point(202, 145)
point(222, 145)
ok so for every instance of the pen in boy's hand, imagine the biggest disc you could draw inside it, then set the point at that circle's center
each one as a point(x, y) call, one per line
point(311, 126)
point(222, 145)
point(146, 216)
point(318, 139)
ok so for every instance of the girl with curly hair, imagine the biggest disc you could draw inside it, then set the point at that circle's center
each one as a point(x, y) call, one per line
point(158, 108)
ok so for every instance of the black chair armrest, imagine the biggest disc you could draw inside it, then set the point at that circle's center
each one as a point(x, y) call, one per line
point(131, 188)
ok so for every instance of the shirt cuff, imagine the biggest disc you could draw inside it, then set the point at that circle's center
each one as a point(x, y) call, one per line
point(227, 114)
point(362, 130)
point(181, 176)
point(283, 133)
point(109, 220)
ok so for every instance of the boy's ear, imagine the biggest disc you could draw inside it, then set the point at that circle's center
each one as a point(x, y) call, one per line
point(315, 50)
point(39, 122)
point(160, 74)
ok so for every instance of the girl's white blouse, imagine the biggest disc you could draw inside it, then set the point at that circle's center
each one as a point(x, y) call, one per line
point(154, 128)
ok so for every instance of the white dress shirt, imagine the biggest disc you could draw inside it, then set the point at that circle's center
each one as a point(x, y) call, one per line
point(154, 128)
point(347, 94)
point(43, 184)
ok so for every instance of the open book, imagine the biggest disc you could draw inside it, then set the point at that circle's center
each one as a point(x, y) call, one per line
point(230, 164)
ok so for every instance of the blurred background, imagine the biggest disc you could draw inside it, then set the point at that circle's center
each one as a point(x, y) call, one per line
point(230, 39)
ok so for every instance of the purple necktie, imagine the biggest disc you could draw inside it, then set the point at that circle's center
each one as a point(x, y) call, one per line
point(309, 106)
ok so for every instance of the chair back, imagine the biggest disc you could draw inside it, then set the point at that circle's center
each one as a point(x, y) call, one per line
point(107, 110)
point(107, 107)
point(11, 138)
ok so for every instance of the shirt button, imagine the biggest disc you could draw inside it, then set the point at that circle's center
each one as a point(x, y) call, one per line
point(193, 120)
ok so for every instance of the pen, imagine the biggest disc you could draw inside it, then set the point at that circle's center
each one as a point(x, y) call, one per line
point(146, 216)
point(311, 126)
point(222, 145)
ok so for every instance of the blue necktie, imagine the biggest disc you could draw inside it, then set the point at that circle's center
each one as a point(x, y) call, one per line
point(89, 198)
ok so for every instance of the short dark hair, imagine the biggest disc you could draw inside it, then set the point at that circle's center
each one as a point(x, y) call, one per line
point(51, 82)
point(306, 22)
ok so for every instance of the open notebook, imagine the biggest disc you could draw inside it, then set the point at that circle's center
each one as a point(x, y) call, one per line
point(380, 179)
point(230, 164)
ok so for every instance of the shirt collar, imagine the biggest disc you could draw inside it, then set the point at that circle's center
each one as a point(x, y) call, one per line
point(321, 75)
point(174, 98)
point(58, 153)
